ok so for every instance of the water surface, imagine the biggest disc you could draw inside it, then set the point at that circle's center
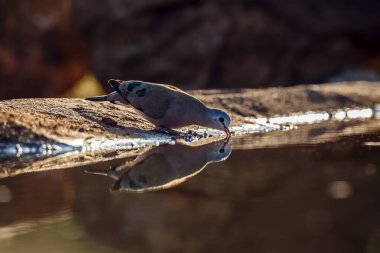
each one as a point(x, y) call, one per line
point(322, 197)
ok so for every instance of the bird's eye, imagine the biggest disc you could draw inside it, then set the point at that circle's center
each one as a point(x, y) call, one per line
point(221, 119)
point(221, 151)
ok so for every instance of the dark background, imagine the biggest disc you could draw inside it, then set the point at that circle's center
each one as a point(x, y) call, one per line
point(48, 46)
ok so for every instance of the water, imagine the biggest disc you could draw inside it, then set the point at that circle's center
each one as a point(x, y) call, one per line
point(319, 194)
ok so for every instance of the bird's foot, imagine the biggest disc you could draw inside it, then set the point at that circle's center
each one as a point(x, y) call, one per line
point(168, 131)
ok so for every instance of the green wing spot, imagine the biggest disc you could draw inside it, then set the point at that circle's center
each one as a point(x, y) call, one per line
point(141, 92)
point(133, 85)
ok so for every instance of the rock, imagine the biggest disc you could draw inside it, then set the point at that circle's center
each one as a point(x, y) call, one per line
point(34, 133)
point(109, 121)
point(79, 122)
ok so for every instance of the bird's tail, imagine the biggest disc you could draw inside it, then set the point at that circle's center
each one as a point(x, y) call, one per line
point(116, 186)
point(98, 98)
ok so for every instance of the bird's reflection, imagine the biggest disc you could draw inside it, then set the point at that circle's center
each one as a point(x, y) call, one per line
point(165, 166)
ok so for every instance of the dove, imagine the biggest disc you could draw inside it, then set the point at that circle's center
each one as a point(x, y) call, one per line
point(165, 106)
point(165, 166)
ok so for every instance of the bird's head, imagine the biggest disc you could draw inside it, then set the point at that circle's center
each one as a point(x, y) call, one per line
point(218, 119)
point(218, 151)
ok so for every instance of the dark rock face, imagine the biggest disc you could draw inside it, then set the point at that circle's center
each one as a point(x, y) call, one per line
point(39, 54)
point(229, 43)
point(45, 46)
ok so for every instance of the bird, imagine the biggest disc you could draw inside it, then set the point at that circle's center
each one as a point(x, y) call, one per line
point(165, 106)
point(164, 166)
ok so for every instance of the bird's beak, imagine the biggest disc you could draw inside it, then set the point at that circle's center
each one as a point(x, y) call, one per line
point(225, 142)
point(228, 133)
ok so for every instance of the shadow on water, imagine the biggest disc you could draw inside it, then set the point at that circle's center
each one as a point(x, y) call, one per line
point(322, 197)
point(165, 166)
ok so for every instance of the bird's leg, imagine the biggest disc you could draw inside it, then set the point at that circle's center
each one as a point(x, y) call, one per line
point(111, 172)
point(127, 165)
point(166, 130)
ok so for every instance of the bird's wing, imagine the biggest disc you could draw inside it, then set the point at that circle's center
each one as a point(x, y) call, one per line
point(152, 99)
point(172, 87)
